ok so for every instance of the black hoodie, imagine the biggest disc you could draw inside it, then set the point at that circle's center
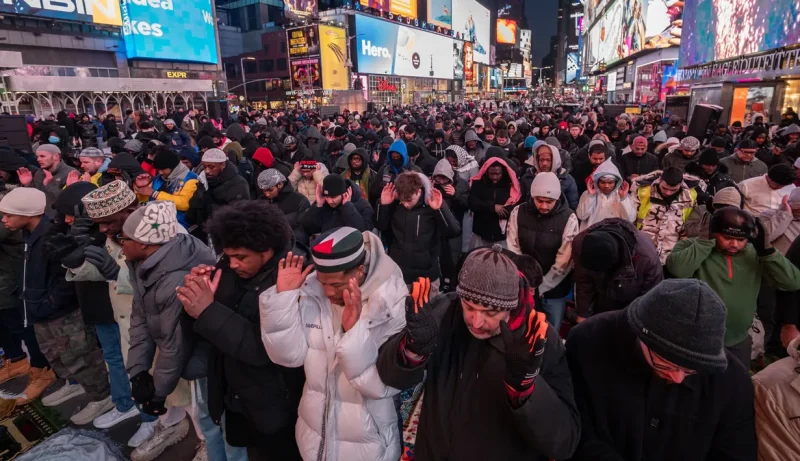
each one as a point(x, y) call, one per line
point(437, 149)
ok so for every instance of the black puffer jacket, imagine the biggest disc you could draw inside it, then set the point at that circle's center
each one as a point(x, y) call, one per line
point(11, 252)
point(294, 205)
point(241, 376)
point(483, 196)
point(714, 183)
point(356, 214)
point(417, 235)
point(226, 188)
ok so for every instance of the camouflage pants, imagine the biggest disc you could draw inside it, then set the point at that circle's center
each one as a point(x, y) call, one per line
point(71, 348)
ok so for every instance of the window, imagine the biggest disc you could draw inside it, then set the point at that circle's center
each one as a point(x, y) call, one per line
point(93, 72)
point(270, 65)
point(250, 67)
point(283, 47)
point(262, 65)
point(266, 48)
point(113, 73)
point(281, 63)
point(230, 70)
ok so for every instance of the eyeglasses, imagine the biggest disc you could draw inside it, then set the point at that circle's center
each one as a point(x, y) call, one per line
point(121, 238)
point(667, 368)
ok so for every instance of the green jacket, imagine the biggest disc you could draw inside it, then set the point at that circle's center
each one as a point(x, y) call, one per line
point(736, 279)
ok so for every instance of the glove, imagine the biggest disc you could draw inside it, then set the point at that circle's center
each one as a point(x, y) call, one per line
point(99, 258)
point(524, 351)
point(760, 243)
point(80, 226)
point(421, 325)
point(60, 245)
point(154, 407)
point(142, 388)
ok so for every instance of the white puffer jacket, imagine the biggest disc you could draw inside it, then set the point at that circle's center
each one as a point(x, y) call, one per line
point(346, 412)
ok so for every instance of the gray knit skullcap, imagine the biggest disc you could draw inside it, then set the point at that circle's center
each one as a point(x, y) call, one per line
point(92, 152)
point(489, 278)
point(683, 321)
point(270, 178)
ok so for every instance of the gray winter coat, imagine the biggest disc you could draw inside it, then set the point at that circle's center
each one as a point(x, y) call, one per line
point(158, 319)
point(479, 152)
point(52, 190)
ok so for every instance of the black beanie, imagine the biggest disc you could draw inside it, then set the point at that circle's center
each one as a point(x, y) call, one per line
point(718, 142)
point(733, 222)
point(166, 159)
point(207, 142)
point(413, 150)
point(333, 186)
point(672, 176)
point(782, 174)
point(709, 157)
point(339, 132)
point(599, 252)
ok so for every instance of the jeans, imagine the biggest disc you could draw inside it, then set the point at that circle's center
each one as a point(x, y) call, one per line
point(554, 311)
point(12, 334)
point(108, 335)
point(216, 447)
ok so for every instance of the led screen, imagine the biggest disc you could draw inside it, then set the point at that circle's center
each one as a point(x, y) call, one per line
point(404, 8)
point(472, 20)
point(105, 12)
point(296, 10)
point(506, 31)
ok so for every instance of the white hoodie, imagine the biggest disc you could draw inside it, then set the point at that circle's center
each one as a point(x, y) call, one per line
point(595, 208)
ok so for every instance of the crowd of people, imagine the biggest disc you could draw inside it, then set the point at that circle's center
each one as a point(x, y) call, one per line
point(428, 282)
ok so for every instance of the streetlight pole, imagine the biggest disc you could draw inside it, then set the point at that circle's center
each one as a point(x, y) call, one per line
point(540, 72)
point(244, 78)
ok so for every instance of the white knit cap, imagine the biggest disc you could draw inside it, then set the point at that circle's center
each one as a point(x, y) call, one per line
point(214, 156)
point(23, 201)
point(546, 185)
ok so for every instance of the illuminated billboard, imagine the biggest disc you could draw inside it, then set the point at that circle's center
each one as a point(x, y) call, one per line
point(333, 57)
point(472, 20)
point(469, 63)
point(303, 41)
point(458, 59)
point(105, 12)
point(404, 8)
point(507, 31)
point(388, 48)
point(297, 10)
point(725, 29)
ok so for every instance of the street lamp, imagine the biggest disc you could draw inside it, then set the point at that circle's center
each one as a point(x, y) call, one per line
point(540, 72)
point(244, 79)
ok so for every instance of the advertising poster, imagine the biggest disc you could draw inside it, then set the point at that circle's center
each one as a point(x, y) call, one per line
point(573, 67)
point(404, 8)
point(160, 30)
point(384, 47)
point(458, 59)
point(617, 34)
point(469, 68)
point(303, 41)
point(593, 8)
point(507, 31)
point(333, 57)
point(297, 10)
point(511, 9)
point(663, 23)
point(472, 20)
point(440, 13)
point(105, 12)
point(306, 74)
point(723, 29)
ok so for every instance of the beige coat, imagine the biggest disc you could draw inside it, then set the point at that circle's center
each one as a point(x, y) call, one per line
point(308, 187)
point(777, 402)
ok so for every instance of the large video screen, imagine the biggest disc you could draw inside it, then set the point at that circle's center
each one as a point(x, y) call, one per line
point(297, 10)
point(593, 8)
point(404, 8)
point(458, 59)
point(384, 47)
point(472, 20)
point(333, 57)
point(105, 12)
point(723, 29)
point(507, 31)
point(179, 30)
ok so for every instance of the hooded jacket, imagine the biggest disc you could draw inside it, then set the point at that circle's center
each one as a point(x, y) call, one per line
point(87, 131)
point(357, 213)
point(158, 319)
point(319, 145)
point(466, 404)
point(346, 412)
point(568, 187)
point(637, 271)
point(595, 208)
point(417, 234)
point(424, 160)
point(308, 187)
point(389, 172)
point(484, 195)
point(128, 165)
point(367, 180)
point(458, 202)
point(437, 149)
point(479, 151)
point(175, 138)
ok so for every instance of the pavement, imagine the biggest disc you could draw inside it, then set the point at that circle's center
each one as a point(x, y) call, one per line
point(182, 451)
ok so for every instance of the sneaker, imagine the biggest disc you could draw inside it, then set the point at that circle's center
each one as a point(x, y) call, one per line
point(143, 434)
point(11, 370)
point(202, 452)
point(39, 380)
point(163, 438)
point(62, 395)
point(92, 411)
point(114, 417)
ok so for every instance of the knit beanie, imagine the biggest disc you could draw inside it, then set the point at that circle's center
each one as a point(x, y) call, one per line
point(599, 252)
point(214, 156)
point(546, 185)
point(727, 196)
point(338, 132)
point(270, 178)
point(23, 201)
point(333, 186)
point(338, 250)
point(733, 222)
point(690, 143)
point(709, 157)
point(683, 321)
point(264, 156)
point(782, 174)
point(718, 142)
point(155, 223)
point(206, 142)
point(49, 148)
point(69, 201)
point(91, 152)
point(349, 148)
point(489, 278)
point(166, 159)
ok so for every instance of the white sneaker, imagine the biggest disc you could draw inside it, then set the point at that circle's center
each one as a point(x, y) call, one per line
point(163, 438)
point(202, 452)
point(92, 411)
point(142, 435)
point(114, 417)
point(62, 395)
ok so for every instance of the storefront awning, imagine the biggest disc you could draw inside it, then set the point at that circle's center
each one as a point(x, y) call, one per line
point(26, 83)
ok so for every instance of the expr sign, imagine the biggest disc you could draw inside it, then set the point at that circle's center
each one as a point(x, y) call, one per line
point(104, 12)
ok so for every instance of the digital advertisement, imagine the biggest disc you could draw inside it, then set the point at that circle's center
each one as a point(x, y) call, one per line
point(106, 12)
point(303, 41)
point(469, 63)
point(297, 10)
point(306, 74)
point(458, 59)
point(384, 47)
point(440, 13)
point(473, 20)
point(593, 8)
point(663, 23)
point(723, 29)
point(404, 8)
point(510, 9)
point(507, 31)
point(178, 30)
point(333, 56)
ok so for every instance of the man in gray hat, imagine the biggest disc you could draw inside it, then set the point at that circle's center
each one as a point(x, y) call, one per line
point(687, 151)
point(654, 381)
point(93, 163)
point(51, 178)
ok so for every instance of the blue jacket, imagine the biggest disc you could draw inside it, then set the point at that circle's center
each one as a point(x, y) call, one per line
point(175, 139)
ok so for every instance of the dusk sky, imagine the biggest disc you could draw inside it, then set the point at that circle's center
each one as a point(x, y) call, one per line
point(542, 20)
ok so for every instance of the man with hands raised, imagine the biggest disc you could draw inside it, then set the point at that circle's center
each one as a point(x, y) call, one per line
point(337, 204)
point(333, 322)
point(497, 384)
point(50, 178)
